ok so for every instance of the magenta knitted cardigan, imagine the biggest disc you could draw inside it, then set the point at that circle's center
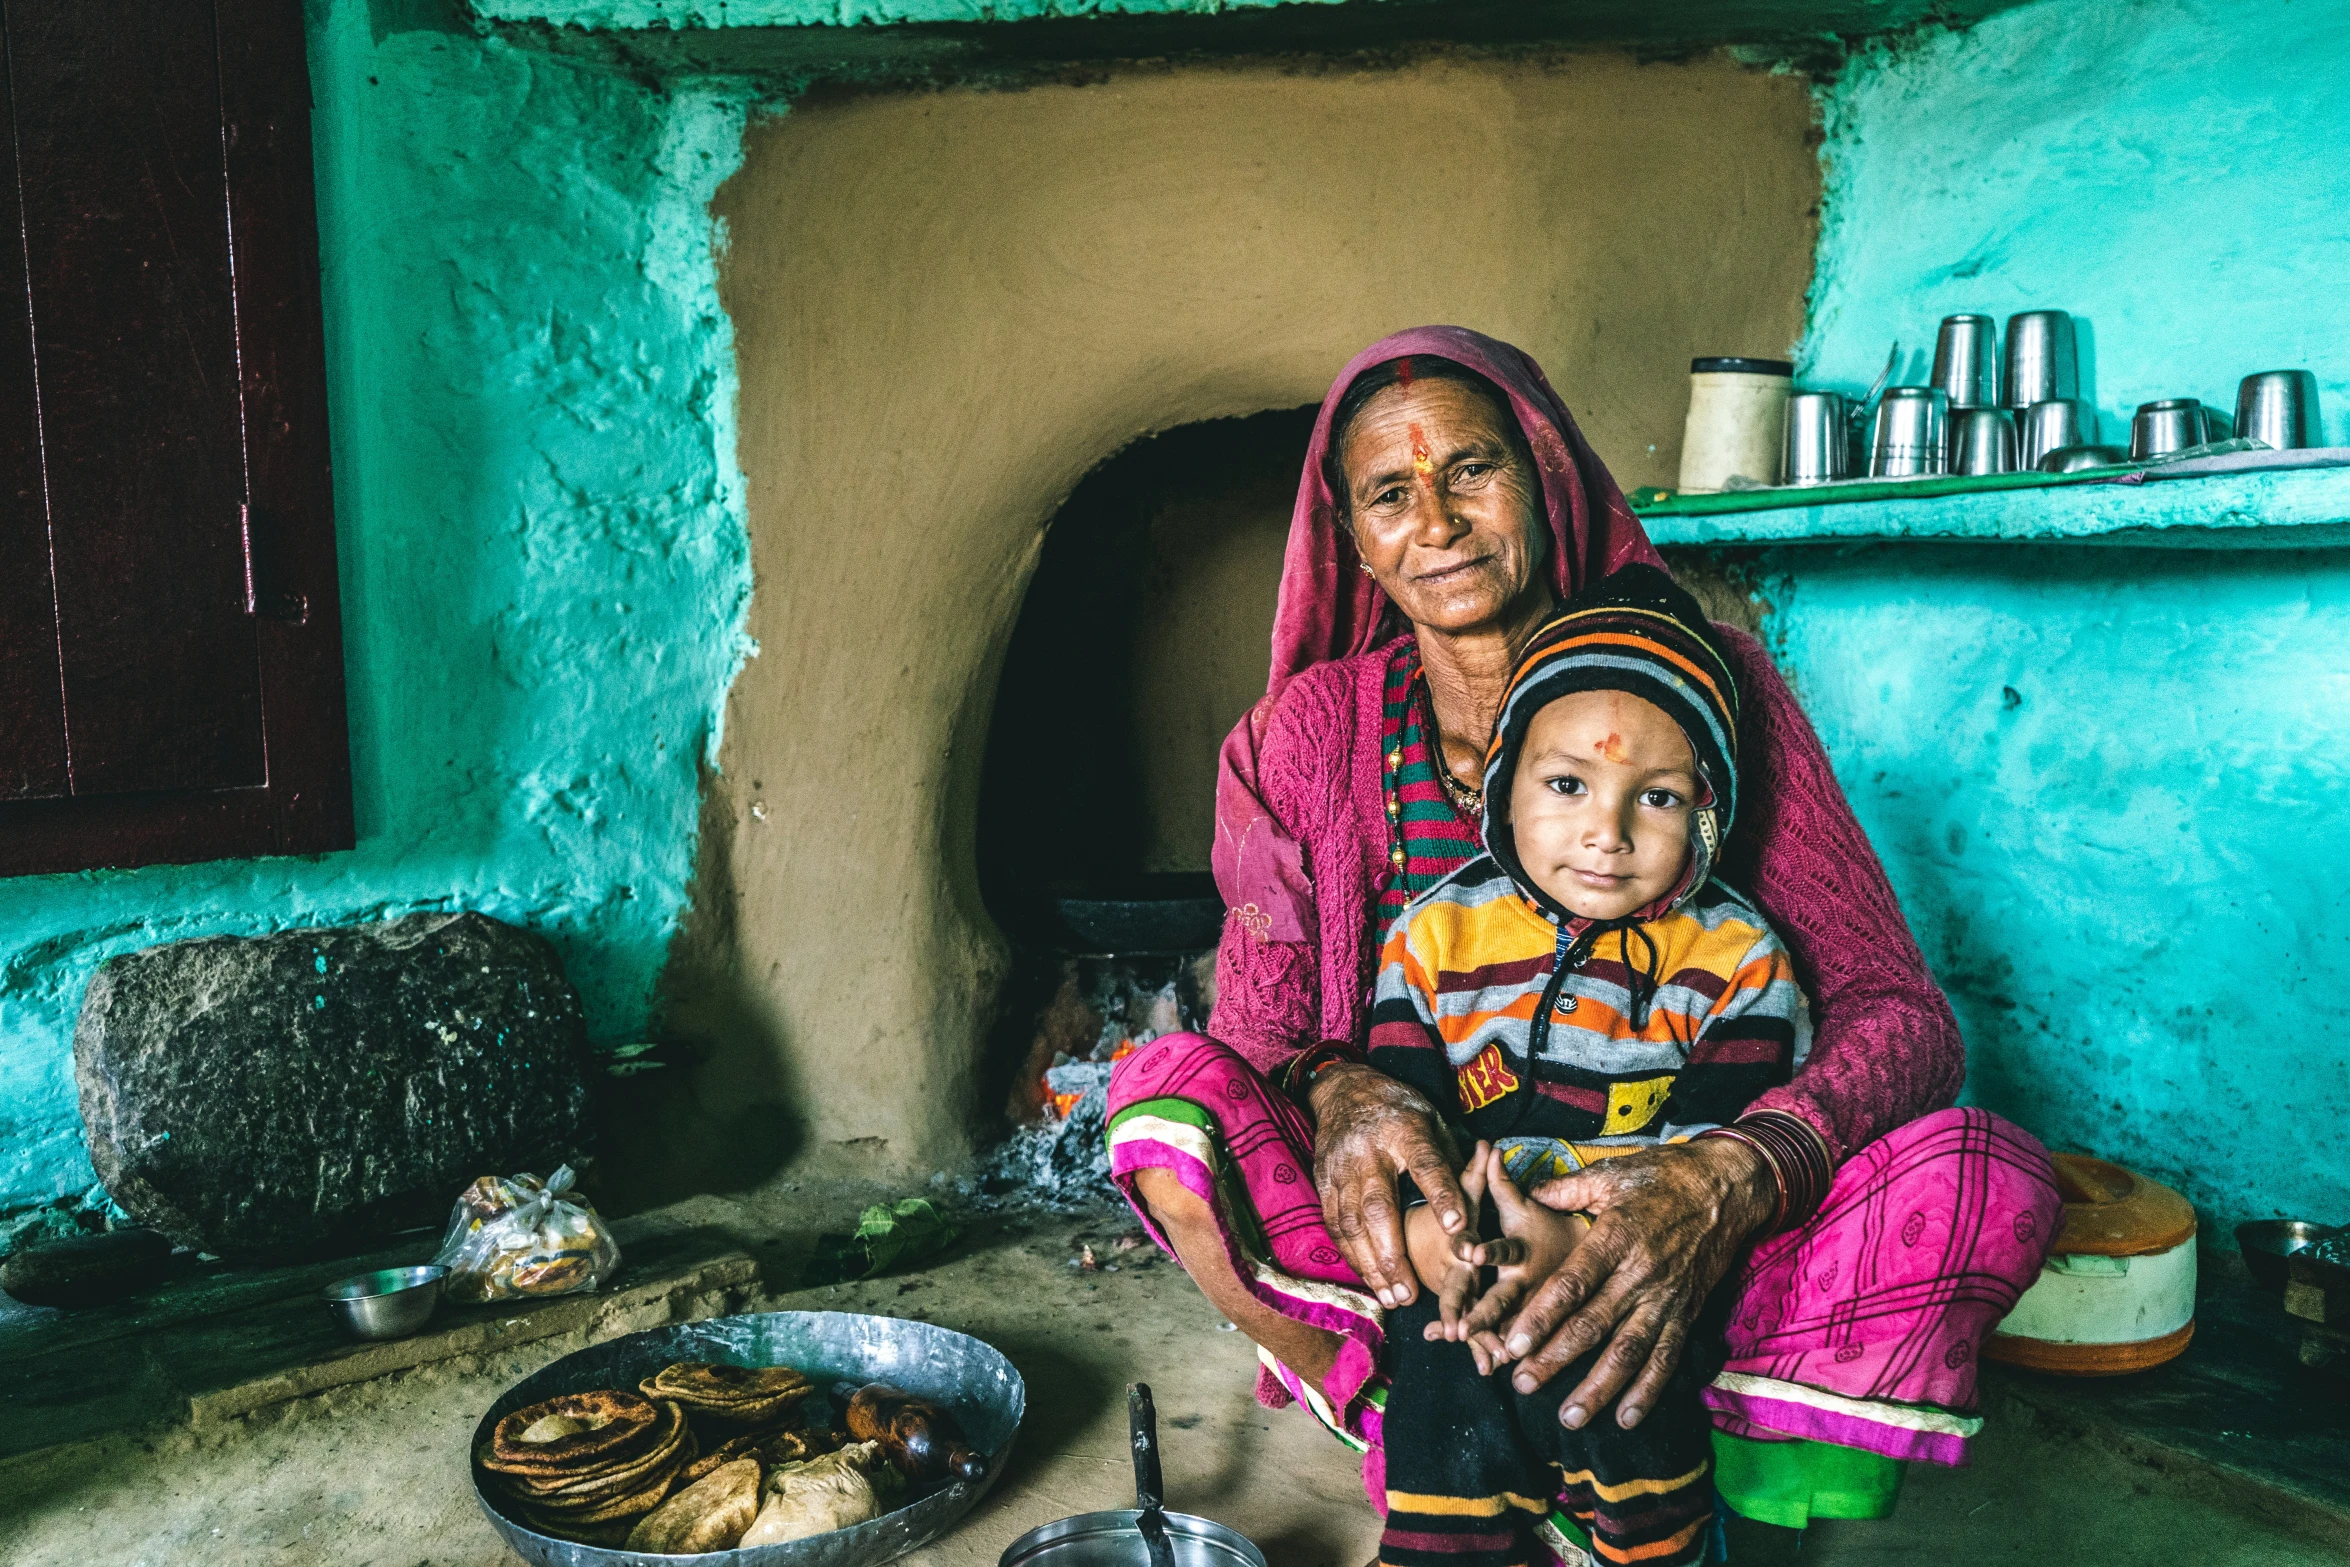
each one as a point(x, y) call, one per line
point(1885, 1046)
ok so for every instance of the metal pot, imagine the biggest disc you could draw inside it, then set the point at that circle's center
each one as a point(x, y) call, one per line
point(1146, 1536)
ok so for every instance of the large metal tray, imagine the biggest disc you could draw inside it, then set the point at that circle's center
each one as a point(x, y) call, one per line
point(953, 1369)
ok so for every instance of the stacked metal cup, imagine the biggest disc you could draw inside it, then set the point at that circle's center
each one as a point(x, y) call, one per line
point(1966, 362)
point(2167, 426)
point(2054, 424)
point(2041, 385)
point(1982, 441)
point(2043, 359)
point(1966, 368)
point(2278, 408)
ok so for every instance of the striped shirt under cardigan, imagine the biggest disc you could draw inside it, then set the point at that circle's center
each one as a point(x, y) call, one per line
point(1464, 970)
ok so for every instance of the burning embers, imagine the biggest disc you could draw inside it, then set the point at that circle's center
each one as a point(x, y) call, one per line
point(1104, 1009)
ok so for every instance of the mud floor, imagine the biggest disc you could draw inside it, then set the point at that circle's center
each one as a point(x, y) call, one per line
point(375, 1476)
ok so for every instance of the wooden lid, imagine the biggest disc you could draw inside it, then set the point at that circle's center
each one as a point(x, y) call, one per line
point(2112, 1212)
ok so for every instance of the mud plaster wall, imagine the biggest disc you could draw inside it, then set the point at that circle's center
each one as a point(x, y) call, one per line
point(948, 307)
point(2108, 782)
point(543, 560)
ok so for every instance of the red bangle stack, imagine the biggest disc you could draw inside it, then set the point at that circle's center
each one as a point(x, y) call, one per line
point(1297, 1078)
point(1797, 1156)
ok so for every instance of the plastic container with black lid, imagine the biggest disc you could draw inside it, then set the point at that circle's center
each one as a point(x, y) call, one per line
point(1737, 423)
point(1783, 368)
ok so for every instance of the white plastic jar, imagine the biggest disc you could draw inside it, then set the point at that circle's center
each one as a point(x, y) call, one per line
point(1737, 425)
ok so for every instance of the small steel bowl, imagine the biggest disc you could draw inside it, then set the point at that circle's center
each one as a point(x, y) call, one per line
point(2266, 1243)
point(392, 1303)
point(2077, 459)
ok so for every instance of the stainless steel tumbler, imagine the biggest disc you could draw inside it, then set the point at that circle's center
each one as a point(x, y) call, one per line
point(2053, 424)
point(1966, 362)
point(1982, 440)
point(1909, 436)
point(2169, 425)
point(2278, 408)
point(2042, 359)
point(1819, 439)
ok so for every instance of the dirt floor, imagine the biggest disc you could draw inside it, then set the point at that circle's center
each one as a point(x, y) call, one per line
point(376, 1474)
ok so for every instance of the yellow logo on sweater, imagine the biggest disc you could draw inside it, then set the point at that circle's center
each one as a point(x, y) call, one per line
point(1632, 1105)
point(1485, 1079)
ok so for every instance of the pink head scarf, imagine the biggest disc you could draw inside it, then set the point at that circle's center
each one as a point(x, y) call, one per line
point(1328, 609)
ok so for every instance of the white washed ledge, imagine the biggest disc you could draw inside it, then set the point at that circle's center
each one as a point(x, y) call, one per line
point(2300, 508)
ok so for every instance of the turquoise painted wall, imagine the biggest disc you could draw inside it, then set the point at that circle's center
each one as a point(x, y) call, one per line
point(2109, 782)
point(2169, 170)
point(544, 562)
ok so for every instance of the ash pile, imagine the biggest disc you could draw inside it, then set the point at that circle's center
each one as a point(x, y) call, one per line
point(1105, 1008)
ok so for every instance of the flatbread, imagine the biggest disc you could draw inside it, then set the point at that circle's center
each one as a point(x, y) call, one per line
point(570, 1432)
point(733, 1395)
point(771, 1445)
point(709, 1515)
point(563, 1527)
point(672, 1448)
point(655, 1471)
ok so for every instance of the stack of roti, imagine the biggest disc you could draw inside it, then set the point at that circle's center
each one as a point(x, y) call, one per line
point(585, 1466)
point(733, 1398)
point(687, 1463)
point(773, 1448)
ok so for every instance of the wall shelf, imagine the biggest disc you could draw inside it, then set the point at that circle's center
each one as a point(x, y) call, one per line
point(926, 41)
point(2290, 508)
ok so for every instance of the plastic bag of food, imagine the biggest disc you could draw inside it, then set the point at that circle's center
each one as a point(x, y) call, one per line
point(513, 1237)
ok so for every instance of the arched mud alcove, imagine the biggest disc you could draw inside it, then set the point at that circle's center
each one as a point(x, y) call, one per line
point(1142, 638)
point(949, 307)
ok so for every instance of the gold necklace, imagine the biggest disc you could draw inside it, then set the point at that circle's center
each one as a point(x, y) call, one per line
point(1470, 802)
point(1468, 799)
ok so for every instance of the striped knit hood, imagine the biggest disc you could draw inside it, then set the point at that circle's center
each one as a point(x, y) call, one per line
point(1636, 631)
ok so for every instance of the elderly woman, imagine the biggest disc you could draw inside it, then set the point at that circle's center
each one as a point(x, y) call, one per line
point(1864, 1235)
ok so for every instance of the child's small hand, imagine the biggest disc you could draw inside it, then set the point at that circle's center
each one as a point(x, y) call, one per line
point(1447, 1265)
point(1542, 1241)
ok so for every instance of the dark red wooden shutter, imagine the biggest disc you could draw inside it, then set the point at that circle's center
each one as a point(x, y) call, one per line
point(32, 703)
point(125, 195)
point(170, 640)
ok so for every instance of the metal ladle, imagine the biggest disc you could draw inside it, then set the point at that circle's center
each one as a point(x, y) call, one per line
point(1111, 1539)
point(1859, 417)
point(1150, 1487)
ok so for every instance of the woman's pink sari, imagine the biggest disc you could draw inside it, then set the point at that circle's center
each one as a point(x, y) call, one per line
point(1859, 1328)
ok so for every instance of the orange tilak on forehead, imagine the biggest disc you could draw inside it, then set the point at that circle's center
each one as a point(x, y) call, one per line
point(1423, 463)
point(1610, 748)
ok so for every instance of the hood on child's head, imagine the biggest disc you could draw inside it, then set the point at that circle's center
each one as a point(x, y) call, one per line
point(1639, 632)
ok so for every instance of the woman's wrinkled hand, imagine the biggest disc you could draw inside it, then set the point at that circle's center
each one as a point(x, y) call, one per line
point(1666, 1225)
point(1370, 1129)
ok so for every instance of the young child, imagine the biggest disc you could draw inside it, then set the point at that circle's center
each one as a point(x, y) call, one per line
point(1583, 989)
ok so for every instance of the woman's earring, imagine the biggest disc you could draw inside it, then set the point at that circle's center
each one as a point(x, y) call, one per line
point(1363, 566)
